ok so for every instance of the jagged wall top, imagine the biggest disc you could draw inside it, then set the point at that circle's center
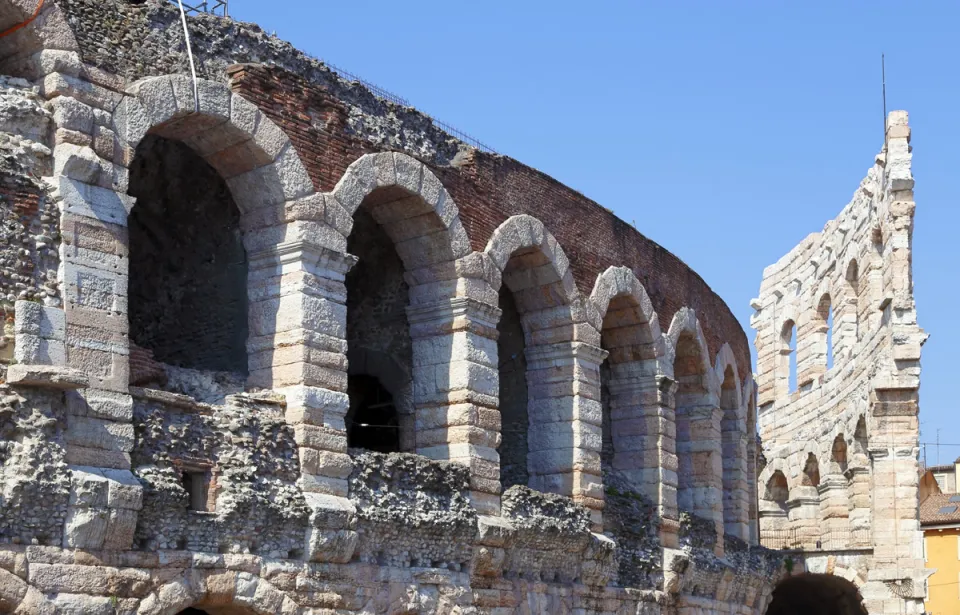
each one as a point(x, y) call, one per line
point(858, 266)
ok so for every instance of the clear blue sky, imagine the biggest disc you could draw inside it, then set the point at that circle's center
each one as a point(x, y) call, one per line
point(727, 130)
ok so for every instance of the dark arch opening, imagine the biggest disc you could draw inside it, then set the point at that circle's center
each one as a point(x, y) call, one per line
point(379, 347)
point(513, 393)
point(188, 267)
point(823, 594)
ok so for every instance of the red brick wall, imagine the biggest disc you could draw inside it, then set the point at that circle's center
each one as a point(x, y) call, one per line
point(488, 189)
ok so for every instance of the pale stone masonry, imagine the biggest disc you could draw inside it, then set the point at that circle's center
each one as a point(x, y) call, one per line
point(276, 345)
point(841, 434)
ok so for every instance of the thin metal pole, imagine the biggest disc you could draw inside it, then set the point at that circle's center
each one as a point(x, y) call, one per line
point(193, 68)
point(883, 76)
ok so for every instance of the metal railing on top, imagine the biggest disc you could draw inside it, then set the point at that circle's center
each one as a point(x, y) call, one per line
point(213, 7)
point(221, 9)
point(812, 540)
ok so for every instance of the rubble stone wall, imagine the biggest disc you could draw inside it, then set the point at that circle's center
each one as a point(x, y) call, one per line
point(374, 244)
point(839, 414)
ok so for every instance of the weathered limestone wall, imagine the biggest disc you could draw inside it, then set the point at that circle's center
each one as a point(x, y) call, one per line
point(374, 245)
point(842, 449)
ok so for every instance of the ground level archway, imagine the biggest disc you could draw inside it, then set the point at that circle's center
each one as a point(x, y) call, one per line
point(824, 594)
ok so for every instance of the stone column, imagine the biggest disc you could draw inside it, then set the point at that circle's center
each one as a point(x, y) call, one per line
point(90, 176)
point(859, 506)
point(565, 422)
point(456, 389)
point(297, 346)
point(804, 513)
point(775, 526)
point(834, 511)
point(894, 448)
point(736, 483)
point(641, 425)
point(703, 447)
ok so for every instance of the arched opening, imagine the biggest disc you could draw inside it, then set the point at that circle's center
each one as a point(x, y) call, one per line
point(563, 415)
point(775, 530)
point(852, 280)
point(787, 366)
point(811, 472)
point(513, 394)
point(216, 610)
point(187, 289)
point(838, 454)
point(627, 377)
point(734, 449)
point(860, 441)
point(699, 463)
point(777, 490)
point(824, 332)
point(379, 346)
point(823, 594)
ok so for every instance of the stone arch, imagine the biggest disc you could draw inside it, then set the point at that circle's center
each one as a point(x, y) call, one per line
point(851, 308)
point(263, 172)
point(217, 589)
point(810, 476)
point(736, 494)
point(828, 594)
point(267, 181)
point(630, 332)
point(822, 345)
point(786, 375)
point(775, 530)
point(561, 349)
point(698, 420)
point(405, 231)
point(838, 454)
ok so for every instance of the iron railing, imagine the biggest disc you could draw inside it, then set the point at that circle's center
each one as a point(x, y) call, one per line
point(220, 8)
point(812, 540)
point(213, 7)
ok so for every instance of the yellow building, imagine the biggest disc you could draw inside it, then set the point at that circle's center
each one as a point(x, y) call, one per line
point(940, 522)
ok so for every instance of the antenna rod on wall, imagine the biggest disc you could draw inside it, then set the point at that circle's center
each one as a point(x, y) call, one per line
point(883, 77)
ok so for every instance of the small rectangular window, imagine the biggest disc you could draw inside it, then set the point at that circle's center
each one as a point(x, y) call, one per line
point(197, 485)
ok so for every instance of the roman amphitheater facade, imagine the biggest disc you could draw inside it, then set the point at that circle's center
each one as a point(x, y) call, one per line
point(838, 376)
point(275, 345)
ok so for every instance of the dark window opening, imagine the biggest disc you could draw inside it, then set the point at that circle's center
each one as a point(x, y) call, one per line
point(188, 267)
point(372, 421)
point(513, 394)
point(824, 594)
point(197, 485)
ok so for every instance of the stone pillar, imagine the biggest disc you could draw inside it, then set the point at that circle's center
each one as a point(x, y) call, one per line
point(641, 425)
point(565, 422)
point(894, 449)
point(859, 506)
point(297, 346)
point(703, 448)
point(669, 514)
point(736, 483)
point(775, 526)
point(90, 175)
point(834, 511)
point(456, 388)
point(804, 513)
point(753, 517)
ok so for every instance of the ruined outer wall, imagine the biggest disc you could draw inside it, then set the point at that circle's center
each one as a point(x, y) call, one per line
point(347, 531)
point(847, 438)
point(332, 122)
